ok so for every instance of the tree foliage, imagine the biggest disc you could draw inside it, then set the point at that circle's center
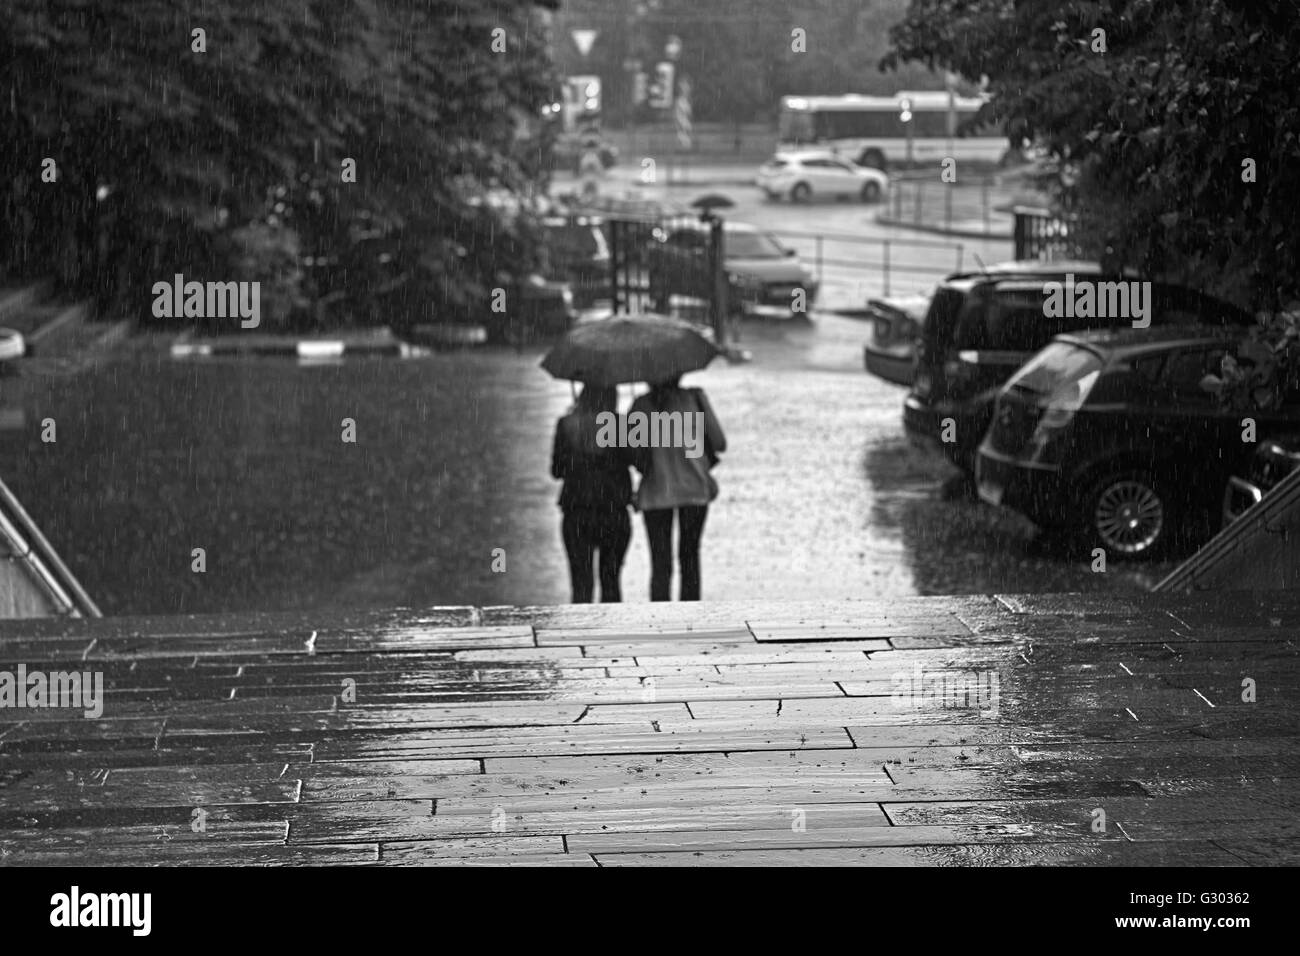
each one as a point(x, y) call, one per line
point(1164, 126)
point(193, 143)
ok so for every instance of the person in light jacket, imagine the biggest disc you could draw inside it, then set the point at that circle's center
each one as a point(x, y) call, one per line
point(594, 498)
point(674, 483)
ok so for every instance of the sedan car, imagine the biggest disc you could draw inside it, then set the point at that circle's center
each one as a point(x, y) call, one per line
point(762, 275)
point(1113, 438)
point(801, 176)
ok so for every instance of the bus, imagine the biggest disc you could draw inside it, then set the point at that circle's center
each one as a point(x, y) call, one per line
point(874, 130)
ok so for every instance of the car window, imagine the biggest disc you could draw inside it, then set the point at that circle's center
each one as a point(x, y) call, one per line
point(1055, 369)
point(940, 322)
point(687, 239)
point(1150, 367)
point(972, 327)
point(1022, 330)
point(574, 239)
point(753, 245)
point(1184, 371)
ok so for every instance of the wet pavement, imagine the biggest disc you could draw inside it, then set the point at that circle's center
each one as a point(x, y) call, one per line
point(936, 731)
point(822, 496)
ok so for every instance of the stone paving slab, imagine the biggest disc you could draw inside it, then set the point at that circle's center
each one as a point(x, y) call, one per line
point(970, 730)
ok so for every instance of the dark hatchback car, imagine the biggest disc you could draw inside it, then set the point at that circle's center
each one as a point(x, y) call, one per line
point(577, 253)
point(1111, 436)
point(982, 326)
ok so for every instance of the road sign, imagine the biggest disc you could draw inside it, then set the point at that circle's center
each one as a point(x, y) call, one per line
point(583, 40)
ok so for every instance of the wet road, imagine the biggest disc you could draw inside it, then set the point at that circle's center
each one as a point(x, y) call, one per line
point(821, 495)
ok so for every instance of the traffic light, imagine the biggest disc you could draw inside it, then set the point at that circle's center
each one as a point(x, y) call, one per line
point(662, 87)
point(905, 110)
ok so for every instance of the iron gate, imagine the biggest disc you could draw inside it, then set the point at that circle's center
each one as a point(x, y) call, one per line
point(671, 265)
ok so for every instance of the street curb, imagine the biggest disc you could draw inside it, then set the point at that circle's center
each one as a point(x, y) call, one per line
point(885, 220)
point(296, 348)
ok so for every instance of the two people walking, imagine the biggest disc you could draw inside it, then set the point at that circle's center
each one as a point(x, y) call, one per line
point(597, 490)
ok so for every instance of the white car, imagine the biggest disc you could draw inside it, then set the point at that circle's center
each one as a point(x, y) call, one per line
point(12, 345)
point(801, 176)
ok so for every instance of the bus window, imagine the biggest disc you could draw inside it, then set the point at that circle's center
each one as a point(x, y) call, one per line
point(796, 126)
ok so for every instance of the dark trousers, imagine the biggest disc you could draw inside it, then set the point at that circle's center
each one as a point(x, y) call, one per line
point(659, 528)
point(585, 533)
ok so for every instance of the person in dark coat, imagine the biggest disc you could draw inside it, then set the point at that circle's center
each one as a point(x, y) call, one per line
point(595, 497)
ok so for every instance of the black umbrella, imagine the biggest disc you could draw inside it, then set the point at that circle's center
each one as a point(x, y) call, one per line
point(712, 201)
point(629, 348)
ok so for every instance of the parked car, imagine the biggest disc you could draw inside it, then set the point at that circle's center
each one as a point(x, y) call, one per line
point(762, 275)
point(578, 254)
point(801, 176)
point(982, 326)
point(890, 352)
point(537, 310)
point(1271, 462)
point(12, 346)
point(1112, 437)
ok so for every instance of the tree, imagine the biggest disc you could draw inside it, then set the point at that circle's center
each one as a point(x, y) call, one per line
point(1165, 108)
point(190, 132)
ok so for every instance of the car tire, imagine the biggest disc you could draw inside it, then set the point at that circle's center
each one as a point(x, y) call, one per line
point(800, 192)
point(1126, 514)
point(873, 158)
point(870, 191)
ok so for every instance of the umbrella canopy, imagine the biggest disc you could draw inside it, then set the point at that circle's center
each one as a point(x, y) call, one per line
point(631, 348)
point(713, 201)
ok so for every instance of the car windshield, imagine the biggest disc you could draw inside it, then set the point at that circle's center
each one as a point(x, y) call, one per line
point(753, 245)
point(573, 239)
point(1060, 371)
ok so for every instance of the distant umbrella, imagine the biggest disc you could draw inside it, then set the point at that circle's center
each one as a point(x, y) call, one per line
point(712, 201)
point(631, 348)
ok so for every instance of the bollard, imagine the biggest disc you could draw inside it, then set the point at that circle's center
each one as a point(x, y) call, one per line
point(886, 267)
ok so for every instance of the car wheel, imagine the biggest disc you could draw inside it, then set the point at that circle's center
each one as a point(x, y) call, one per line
point(1127, 515)
point(801, 192)
point(871, 191)
point(873, 158)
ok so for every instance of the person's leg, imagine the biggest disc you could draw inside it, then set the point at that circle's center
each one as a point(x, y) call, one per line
point(659, 531)
point(616, 535)
point(578, 544)
point(691, 521)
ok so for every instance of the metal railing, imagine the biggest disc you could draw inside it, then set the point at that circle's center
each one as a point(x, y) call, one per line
point(1040, 234)
point(890, 264)
point(925, 200)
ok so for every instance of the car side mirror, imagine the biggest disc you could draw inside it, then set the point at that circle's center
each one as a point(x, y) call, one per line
point(789, 253)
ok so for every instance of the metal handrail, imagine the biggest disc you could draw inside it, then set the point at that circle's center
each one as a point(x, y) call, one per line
point(35, 551)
